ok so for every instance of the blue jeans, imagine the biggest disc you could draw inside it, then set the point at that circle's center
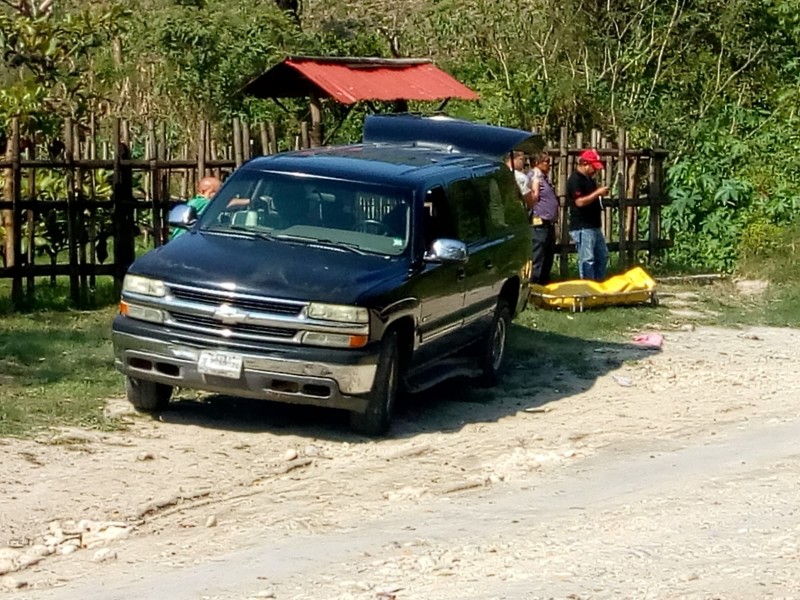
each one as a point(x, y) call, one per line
point(592, 253)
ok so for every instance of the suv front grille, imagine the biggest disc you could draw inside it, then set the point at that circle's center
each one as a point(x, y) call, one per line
point(211, 324)
point(214, 298)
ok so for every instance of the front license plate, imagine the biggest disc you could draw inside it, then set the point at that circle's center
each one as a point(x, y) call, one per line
point(223, 364)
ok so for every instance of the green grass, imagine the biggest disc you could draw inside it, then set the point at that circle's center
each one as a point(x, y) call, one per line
point(48, 297)
point(780, 306)
point(56, 368)
point(608, 324)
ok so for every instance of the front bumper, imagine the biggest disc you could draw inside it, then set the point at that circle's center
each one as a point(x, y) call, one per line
point(266, 375)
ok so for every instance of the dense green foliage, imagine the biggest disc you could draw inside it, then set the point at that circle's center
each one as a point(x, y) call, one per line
point(717, 80)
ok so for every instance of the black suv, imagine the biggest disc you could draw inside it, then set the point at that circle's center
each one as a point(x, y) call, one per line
point(338, 276)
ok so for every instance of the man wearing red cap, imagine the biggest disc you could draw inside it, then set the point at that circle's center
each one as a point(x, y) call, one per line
point(585, 212)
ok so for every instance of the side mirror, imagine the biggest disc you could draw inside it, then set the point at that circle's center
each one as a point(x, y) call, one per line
point(447, 251)
point(182, 216)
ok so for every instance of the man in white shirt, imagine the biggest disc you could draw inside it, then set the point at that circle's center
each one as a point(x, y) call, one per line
point(516, 162)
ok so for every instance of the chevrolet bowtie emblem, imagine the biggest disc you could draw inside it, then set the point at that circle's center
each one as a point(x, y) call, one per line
point(229, 314)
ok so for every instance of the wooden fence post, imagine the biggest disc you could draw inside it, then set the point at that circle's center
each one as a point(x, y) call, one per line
point(116, 196)
point(654, 202)
point(315, 109)
point(262, 130)
point(595, 138)
point(214, 153)
point(201, 152)
point(80, 221)
point(247, 152)
point(16, 216)
point(91, 154)
point(622, 205)
point(31, 221)
point(304, 139)
point(124, 241)
point(237, 142)
point(155, 188)
point(273, 139)
point(633, 209)
point(562, 201)
point(608, 180)
point(183, 192)
point(72, 233)
point(165, 176)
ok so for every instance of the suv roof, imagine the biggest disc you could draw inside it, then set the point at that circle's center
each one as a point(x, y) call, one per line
point(388, 163)
point(404, 149)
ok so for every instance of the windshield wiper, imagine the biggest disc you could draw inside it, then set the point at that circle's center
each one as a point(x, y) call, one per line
point(322, 242)
point(238, 230)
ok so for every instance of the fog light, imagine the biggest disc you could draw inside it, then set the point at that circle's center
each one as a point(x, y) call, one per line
point(334, 340)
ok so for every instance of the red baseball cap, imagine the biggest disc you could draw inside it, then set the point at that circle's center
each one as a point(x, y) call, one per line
point(593, 158)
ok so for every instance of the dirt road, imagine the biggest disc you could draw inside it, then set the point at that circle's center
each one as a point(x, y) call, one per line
point(667, 474)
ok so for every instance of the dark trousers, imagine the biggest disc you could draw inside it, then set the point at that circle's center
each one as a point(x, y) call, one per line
point(544, 249)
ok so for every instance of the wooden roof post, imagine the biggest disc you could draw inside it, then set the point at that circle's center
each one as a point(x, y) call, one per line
point(316, 120)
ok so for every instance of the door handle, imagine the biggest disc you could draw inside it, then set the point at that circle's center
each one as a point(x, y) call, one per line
point(462, 274)
point(488, 264)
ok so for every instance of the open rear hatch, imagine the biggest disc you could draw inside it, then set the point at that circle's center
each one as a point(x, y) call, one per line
point(456, 135)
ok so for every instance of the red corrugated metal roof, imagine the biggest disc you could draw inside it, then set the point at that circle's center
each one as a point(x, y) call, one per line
point(349, 80)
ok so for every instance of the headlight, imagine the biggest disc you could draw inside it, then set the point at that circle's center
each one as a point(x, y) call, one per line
point(143, 285)
point(338, 313)
point(143, 313)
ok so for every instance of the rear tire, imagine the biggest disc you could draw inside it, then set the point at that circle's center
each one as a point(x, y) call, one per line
point(147, 396)
point(377, 418)
point(493, 348)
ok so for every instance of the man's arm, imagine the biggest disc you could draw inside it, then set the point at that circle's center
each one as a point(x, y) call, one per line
point(589, 198)
point(536, 187)
point(524, 189)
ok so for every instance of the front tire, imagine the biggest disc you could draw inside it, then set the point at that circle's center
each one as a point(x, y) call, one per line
point(493, 349)
point(147, 396)
point(378, 416)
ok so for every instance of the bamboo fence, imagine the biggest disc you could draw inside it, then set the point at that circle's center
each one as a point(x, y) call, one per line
point(116, 182)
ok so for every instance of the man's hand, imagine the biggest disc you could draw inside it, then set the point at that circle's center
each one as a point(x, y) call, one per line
point(603, 190)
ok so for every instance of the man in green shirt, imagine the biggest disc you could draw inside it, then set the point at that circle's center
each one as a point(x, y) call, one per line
point(206, 190)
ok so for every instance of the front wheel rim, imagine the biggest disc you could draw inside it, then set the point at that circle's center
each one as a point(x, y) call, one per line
point(391, 387)
point(498, 344)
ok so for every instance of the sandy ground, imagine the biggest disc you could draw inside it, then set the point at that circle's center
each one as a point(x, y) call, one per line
point(654, 474)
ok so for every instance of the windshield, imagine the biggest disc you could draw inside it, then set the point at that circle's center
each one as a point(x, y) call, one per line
point(348, 215)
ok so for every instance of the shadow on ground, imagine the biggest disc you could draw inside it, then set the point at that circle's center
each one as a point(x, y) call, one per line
point(542, 368)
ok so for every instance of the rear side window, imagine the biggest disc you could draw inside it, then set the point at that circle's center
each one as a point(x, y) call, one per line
point(501, 196)
point(513, 208)
point(471, 210)
point(492, 202)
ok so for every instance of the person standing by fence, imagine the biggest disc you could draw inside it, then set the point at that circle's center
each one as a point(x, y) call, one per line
point(543, 219)
point(585, 214)
point(516, 162)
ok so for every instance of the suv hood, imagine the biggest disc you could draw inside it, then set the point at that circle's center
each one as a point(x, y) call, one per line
point(455, 134)
point(276, 269)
